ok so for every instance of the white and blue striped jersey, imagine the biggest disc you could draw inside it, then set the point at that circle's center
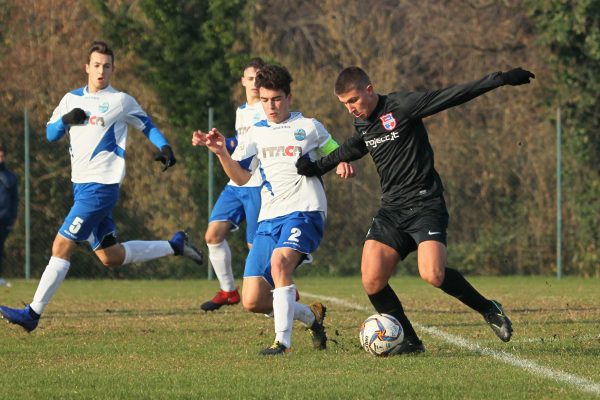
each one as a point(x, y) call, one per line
point(245, 116)
point(98, 147)
point(277, 147)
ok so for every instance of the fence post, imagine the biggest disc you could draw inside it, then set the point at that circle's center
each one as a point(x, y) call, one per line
point(27, 197)
point(559, 266)
point(210, 183)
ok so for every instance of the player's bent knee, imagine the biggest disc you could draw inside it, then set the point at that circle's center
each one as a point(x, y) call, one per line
point(433, 278)
point(253, 306)
point(372, 285)
point(214, 237)
point(111, 262)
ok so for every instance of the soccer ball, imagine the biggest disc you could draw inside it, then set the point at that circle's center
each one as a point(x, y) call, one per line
point(380, 334)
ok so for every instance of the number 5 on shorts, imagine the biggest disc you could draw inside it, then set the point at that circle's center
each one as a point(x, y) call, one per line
point(76, 225)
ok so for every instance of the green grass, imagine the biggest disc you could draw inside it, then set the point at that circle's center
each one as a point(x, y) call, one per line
point(148, 339)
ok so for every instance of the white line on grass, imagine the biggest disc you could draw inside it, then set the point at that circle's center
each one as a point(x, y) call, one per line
point(580, 383)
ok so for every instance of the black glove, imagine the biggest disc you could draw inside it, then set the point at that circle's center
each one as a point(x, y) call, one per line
point(166, 157)
point(308, 168)
point(517, 76)
point(74, 117)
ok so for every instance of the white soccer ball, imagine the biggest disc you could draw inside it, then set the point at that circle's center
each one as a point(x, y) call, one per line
point(380, 334)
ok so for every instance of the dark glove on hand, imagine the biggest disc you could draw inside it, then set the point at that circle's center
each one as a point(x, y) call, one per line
point(166, 157)
point(74, 117)
point(308, 168)
point(517, 76)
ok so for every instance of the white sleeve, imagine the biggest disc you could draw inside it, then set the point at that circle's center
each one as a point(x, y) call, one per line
point(133, 113)
point(246, 151)
point(238, 120)
point(60, 110)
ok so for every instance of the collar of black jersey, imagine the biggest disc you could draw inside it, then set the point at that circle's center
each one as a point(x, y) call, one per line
point(378, 108)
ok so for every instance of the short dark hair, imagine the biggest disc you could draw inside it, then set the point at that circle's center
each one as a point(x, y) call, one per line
point(101, 47)
point(351, 78)
point(274, 77)
point(256, 63)
point(2, 148)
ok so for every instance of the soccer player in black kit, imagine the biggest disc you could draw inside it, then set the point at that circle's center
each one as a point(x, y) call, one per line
point(413, 214)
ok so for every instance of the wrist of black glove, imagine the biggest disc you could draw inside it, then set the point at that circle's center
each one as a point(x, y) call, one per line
point(516, 76)
point(306, 167)
point(74, 117)
point(166, 157)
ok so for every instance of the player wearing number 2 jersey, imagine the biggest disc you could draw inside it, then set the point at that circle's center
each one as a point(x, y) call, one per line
point(293, 207)
point(235, 203)
point(95, 118)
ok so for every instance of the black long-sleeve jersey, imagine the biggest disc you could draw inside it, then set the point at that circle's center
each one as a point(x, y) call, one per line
point(395, 136)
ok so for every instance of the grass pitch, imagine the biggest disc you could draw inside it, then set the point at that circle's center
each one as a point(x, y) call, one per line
point(149, 340)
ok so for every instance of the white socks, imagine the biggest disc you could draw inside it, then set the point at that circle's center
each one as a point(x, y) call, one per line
point(53, 275)
point(283, 312)
point(220, 258)
point(303, 314)
point(145, 250)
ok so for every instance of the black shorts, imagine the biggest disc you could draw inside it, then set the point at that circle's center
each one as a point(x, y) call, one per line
point(404, 228)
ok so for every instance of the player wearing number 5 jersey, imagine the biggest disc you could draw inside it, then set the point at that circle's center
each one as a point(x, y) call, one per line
point(293, 207)
point(95, 118)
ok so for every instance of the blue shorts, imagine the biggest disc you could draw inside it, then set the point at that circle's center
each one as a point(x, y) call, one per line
point(90, 218)
point(235, 204)
point(301, 231)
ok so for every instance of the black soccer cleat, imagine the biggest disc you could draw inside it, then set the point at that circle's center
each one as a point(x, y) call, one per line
point(276, 349)
point(409, 345)
point(498, 321)
point(317, 329)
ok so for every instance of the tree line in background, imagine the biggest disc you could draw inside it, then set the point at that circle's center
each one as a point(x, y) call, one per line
point(496, 154)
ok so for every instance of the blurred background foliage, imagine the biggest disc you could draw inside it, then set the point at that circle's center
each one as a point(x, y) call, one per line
point(496, 154)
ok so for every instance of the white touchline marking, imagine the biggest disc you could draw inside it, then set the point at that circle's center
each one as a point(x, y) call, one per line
point(580, 383)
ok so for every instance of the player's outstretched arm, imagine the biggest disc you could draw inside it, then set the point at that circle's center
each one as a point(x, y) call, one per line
point(215, 142)
point(345, 170)
point(166, 157)
point(517, 76)
point(352, 149)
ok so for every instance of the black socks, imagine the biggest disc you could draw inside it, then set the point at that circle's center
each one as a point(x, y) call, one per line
point(456, 285)
point(386, 302)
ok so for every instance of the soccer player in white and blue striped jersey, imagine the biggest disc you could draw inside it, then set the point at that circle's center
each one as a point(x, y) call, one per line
point(95, 118)
point(293, 207)
point(235, 203)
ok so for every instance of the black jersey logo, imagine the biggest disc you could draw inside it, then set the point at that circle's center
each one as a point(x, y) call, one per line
point(388, 121)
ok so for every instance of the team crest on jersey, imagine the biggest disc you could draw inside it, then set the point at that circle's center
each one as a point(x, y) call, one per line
point(388, 121)
point(103, 107)
point(300, 134)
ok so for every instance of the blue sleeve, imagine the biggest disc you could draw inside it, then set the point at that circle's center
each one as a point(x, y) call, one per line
point(231, 143)
point(55, 130)
point(152, 132)
point(245, 163)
